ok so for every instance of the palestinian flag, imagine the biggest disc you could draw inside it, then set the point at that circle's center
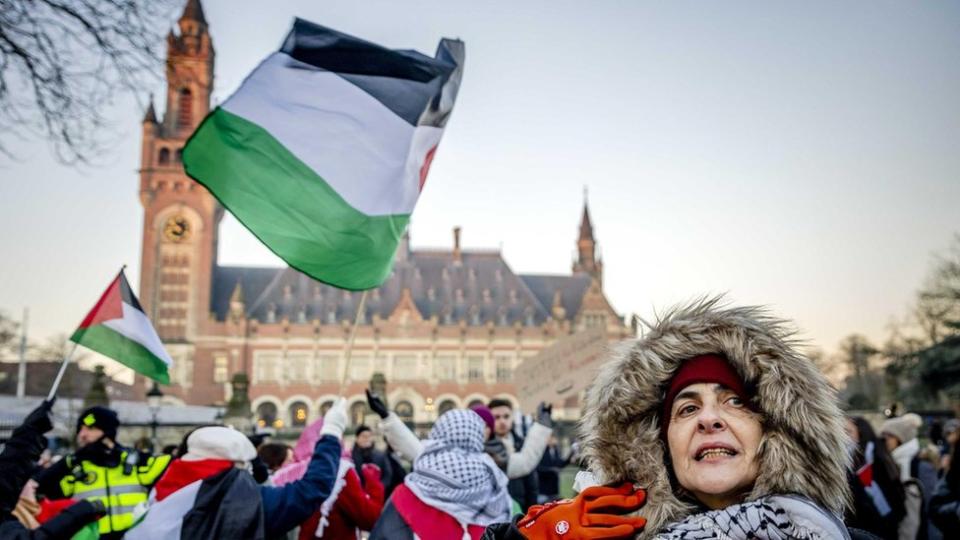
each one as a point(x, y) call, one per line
point(225, 505)
point(323, 150)
point(117, 327)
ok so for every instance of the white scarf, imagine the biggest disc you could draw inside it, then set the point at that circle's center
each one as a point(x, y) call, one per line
point(903, 455)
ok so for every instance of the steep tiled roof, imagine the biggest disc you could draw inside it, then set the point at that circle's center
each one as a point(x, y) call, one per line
point(480, 288)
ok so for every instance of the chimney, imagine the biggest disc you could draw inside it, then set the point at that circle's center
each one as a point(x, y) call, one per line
point(457, 259)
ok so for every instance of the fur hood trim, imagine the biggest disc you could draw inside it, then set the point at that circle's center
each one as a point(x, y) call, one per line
point(803, 450)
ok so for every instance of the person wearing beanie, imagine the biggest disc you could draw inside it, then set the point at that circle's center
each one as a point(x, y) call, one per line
point(365, 453)
point(712, 425)
point(209, 493)
point(919, 478)
point(103, 470)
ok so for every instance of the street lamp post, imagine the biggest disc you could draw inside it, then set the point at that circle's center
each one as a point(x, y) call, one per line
point(153, 401)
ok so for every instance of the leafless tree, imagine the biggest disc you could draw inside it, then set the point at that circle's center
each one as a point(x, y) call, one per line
point(62, 61)
point(938, 303)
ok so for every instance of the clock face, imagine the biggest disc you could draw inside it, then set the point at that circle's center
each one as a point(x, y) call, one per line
point(176, 229)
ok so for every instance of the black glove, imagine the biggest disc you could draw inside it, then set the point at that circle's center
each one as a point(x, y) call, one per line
point(498, 451)
point(377, 405)
point(544, 410)
point(39, 419)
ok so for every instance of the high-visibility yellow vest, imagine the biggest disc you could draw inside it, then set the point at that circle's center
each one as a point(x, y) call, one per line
point(121, 488)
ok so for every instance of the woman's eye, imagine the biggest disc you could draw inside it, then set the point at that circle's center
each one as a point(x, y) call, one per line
point(735, 401)
point(686, 409)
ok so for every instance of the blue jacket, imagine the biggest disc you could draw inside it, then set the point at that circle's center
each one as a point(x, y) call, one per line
point(287, 506)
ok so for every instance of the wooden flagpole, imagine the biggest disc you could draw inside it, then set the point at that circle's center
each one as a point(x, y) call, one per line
point(63, 369)
point(349, 350)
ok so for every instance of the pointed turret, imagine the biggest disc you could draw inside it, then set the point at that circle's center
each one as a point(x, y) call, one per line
point(587, 250)
point(193, 11)
point(150, 117)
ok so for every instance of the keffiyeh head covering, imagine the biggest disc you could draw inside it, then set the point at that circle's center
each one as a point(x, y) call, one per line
point(453, 474)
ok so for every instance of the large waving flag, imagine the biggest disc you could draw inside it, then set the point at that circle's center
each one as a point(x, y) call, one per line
point(323, 150)
point(117, 327)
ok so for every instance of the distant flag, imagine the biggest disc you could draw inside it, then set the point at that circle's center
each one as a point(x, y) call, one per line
point(324, 149)
point(117, 327)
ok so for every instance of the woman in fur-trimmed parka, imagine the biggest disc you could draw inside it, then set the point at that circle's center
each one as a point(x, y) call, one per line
point(730, 430)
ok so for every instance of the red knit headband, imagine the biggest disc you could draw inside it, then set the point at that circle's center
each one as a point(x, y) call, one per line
point(705, 368)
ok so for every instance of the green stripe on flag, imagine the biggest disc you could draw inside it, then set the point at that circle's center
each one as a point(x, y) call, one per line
point(290, 207)
point(110, 343)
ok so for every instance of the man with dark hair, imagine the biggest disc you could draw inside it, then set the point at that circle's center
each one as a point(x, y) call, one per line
point(365, 452)
point(275, 455)
point(523, 454)
point(103, 470)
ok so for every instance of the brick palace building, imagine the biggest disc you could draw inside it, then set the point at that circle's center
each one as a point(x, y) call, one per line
point(446, 329)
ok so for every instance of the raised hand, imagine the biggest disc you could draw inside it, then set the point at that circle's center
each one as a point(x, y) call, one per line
point(335, 420)
point(377, 405)
point(597, 512)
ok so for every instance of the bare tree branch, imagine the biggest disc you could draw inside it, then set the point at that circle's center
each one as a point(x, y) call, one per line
point(63, 61)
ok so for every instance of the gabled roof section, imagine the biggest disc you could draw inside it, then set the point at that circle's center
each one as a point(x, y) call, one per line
point(571, 289)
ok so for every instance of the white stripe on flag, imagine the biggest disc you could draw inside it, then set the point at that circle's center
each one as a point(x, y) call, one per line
point(164, 519)
point(350, 139)
point(136, 326)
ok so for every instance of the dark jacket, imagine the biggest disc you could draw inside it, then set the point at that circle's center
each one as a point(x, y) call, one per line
point(360, 456)
point(548, 471)
point(287, 506)
point(525, 489)
point(945, 508)
point(19, 455)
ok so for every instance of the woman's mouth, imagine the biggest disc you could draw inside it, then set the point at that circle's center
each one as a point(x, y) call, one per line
point(714, 452)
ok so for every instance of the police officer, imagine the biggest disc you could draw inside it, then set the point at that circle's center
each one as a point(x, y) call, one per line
point(103, 470)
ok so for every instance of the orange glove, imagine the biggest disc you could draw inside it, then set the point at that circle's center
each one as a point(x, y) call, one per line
point(593, 514)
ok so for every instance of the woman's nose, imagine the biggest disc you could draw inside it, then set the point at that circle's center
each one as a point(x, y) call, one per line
point(709, 420)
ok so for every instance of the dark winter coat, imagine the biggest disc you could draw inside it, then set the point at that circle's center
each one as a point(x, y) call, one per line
point(945, 508)
point(525, 489)
point(548, 471)
point(287, 506)
point(17, 460)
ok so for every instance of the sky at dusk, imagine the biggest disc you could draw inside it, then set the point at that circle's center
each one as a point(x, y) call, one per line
point(804, 155)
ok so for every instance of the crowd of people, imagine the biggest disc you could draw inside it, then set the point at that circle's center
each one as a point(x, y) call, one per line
point(712, 425)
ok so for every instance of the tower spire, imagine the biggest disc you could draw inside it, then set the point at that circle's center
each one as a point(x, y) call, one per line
point(587, 260)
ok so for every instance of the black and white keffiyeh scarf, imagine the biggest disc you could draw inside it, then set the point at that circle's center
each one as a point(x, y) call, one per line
point(777, 517)
point(455, 475)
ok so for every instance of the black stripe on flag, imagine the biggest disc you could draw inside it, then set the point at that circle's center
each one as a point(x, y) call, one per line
point(126, 293)
point(419, 89)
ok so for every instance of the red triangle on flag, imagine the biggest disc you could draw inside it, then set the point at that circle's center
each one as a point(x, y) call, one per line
point(110, 306)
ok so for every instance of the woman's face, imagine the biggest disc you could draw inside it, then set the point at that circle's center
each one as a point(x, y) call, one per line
point(713, 440)
point(852, 431)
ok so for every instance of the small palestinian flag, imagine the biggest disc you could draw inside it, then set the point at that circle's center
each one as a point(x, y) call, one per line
point(324, 149)
point(117, 327)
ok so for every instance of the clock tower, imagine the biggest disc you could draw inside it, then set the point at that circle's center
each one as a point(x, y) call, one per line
point(181, 218)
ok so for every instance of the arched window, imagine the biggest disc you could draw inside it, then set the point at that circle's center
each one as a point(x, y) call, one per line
point(404, 410)
point(475, 403)
point(266, 414)
point(298, 414)
point(357, 411)
point(179, 155)
point(446, 405)
point(324, 407)
point(185, 108)
point(164, 157)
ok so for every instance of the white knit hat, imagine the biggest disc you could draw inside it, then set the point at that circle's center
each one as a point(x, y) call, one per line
point(218, 442)
point(904, 428)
